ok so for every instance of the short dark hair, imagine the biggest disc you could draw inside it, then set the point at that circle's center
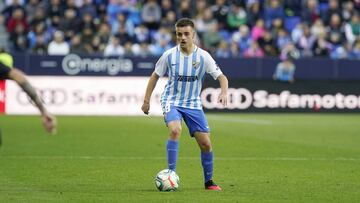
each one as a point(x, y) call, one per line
point(183, 22)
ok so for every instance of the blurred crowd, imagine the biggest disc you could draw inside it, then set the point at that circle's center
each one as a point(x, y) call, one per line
point(226, 28)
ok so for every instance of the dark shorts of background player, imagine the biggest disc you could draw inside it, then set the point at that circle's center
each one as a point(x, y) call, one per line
point(4, 71)
point(194, 118)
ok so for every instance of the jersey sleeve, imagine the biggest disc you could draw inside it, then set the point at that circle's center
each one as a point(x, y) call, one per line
point(4, 71)
point(211, 67)
point(161, 65)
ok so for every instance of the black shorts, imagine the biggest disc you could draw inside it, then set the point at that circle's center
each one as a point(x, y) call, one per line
point(4, 71)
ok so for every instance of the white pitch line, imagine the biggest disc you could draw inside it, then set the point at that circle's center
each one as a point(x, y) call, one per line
point(185, 158)
point(240, 120)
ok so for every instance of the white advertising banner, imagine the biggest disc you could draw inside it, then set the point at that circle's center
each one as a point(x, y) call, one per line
point(85, 95)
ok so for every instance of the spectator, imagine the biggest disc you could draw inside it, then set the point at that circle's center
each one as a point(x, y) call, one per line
point(69, 25)
point(166, 7)
point(211, 39)
point(282, 39)
point(203, 22)
point(291, 51)
point(184, 10)
point(276, 26)
point(151, 14)
point(87, 22)
point(169, 21)
point(253, 13)
point(258, 30)
point(88, 8)
point(236, 17)
point(162, 34)
point(159, 48)
point(317, 28)
point(142, 34)
point(341, 52)
point(355, 53)
point(297, 32)
point(143, 50)
point(220, 11)
point(103, 34)
point(222, 50)
point(17, 19)
point(285, 71)
point(234, 50)
point(254, 51)
point(39, 30)
point(123, 21)
point(348, 11)
point(39, 17)
point(242, 37)
point(310, 13)
point(19, 39)
point(58, 46)
point(200, 7)
point(267, 42)
point(96, 48)
point(55, 8)
point(40, 46)
point(32, 8)
point(273, 10)
point(9, 10)
point(124, 36)
point(3, 33)
point(321, 47)
point(86, 36)
point(114, 48)
point(334, 9)
point(352, 28)
point(306, 42)
point(292, 7)
point(76, 46)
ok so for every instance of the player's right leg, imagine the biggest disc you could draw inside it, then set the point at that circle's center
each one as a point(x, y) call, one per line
point(173, 121)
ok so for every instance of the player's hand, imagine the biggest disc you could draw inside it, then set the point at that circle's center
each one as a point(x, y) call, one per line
point(223, 99)
point(145, 107)
point(49, 123)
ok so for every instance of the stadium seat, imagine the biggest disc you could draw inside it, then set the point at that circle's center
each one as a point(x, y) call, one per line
point(291, 22)
point(226, 35)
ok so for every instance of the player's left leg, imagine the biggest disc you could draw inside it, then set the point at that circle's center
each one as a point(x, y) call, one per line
point(198, 127)
point(207, 159)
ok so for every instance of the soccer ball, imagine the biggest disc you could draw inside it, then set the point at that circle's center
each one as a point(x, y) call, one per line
point(167, 180)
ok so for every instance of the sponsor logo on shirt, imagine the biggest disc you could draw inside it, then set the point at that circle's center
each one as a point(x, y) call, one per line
point(184, 78)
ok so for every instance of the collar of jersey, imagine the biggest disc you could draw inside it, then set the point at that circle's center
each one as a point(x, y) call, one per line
point(195, 49)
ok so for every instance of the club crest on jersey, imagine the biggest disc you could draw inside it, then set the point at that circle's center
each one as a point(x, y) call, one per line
point(195, 65)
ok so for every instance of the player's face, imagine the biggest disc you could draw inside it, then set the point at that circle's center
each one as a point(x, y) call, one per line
point(185, 36)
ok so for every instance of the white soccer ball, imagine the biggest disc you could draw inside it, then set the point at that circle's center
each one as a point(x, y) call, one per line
point(167, 180)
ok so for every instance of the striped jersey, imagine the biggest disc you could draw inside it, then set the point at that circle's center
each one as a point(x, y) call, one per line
point(185, 76)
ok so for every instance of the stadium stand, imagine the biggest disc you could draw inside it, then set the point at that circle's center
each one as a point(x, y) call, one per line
point(318, 28)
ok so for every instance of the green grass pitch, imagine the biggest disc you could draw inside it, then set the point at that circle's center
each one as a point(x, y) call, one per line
point(258, 158)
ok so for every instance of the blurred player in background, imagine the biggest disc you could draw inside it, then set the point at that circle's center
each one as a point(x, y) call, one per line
point(7, 71)
point(186, 65)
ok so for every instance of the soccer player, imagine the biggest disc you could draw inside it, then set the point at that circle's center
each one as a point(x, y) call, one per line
point(7, 71)
point(186, 65)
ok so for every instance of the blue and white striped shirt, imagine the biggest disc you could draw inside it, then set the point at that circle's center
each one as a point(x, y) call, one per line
point(186, 75)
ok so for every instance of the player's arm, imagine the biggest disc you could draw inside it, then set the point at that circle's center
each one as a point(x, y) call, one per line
point(224, 84)
point(149, 89)
point(48, 120)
